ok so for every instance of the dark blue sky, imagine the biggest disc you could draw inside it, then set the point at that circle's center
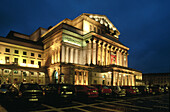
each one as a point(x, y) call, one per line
point(144, 24)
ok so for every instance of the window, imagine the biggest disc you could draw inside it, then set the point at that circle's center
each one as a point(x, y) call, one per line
point(16, 60)
point(39, 64)
point(90, 28)
point(24, 74)
point(39, 55)
point(24, 61)
point(32, 62)
point(95, 29)
point(98, 30)
point(6, 71)
point(7, 50)
point(6, 59)
point(15, 72)
point(16, 52)
point(32, 73)
point(32, 54)
point(95, 81)
point(24, 53)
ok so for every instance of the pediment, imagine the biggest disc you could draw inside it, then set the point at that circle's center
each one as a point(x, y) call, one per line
point(102, 19)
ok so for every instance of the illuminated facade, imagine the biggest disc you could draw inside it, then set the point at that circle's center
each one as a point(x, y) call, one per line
point(84, 51)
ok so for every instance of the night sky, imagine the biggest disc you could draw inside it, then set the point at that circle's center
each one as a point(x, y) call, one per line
point(144, 25)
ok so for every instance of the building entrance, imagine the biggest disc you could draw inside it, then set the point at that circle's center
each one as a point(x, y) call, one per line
point(55, 77)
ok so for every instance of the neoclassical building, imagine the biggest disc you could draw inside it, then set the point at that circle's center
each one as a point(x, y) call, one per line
point(83, 51)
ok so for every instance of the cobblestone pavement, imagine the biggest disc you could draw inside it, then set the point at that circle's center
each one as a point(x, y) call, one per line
point(156, 103)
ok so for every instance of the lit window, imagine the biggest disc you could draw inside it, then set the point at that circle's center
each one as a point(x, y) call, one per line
point(24, 61)
point(6, 71)
point(24, 53)
point(6, 59)
point(32, 62)
point(32, 54)
point(7, 50)
point(15, 72)
point(15, 60)
point(39, 64)
point(16, 51)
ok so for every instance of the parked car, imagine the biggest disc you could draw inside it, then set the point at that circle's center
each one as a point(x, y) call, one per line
point(138, 92)
point(8, 92)
point(117, 91)
point(155, 90)
point(143, 90)
point(29, 92)
point(60, 92)
point(85, 91)
point(166, 90)
point(103, 90)
point(130, 90)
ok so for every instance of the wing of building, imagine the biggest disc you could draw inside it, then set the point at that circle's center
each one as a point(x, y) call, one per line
point(83, 51)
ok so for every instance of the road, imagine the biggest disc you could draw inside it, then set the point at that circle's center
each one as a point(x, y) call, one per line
point(156, 103)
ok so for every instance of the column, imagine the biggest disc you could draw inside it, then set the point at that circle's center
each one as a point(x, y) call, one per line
point(66, 52)
point(52, 57)
point(117, 78)
point(91, 51)
point(109, 55)
point(21, 76)
point(12, 78)
point(77, 79)
point(129, 78)
point(63, 54)
point(29, 77)
point(71, 55)
point(121, 80)
point(97, 41)
point(101, 55)
point(55, 60)
point(112, 78)
point(87, 42)
point(37, 77)
point(58, 54)
point(127, 60)
point(94, 52)
point(125, 80)
point(105, 55)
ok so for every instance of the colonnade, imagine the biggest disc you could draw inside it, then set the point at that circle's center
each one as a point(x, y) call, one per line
point(21, 76)
point(96, 52)
point(81, 77)
point(123, 79)
point(100, 53)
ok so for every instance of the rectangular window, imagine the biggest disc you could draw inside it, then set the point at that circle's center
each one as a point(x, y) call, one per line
point(16, 60)
point(39, 64)
point(24, 53)
point(32, 54)
point(95, 29)
point(32, 73)
point(39, 55)
point(16, 52)
point(15, 72)
point(6, 59)
point(90, 28)
point(6, 71)
point(24, 61)
point(7, 50)
point(32, 62)
point(95, 81)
